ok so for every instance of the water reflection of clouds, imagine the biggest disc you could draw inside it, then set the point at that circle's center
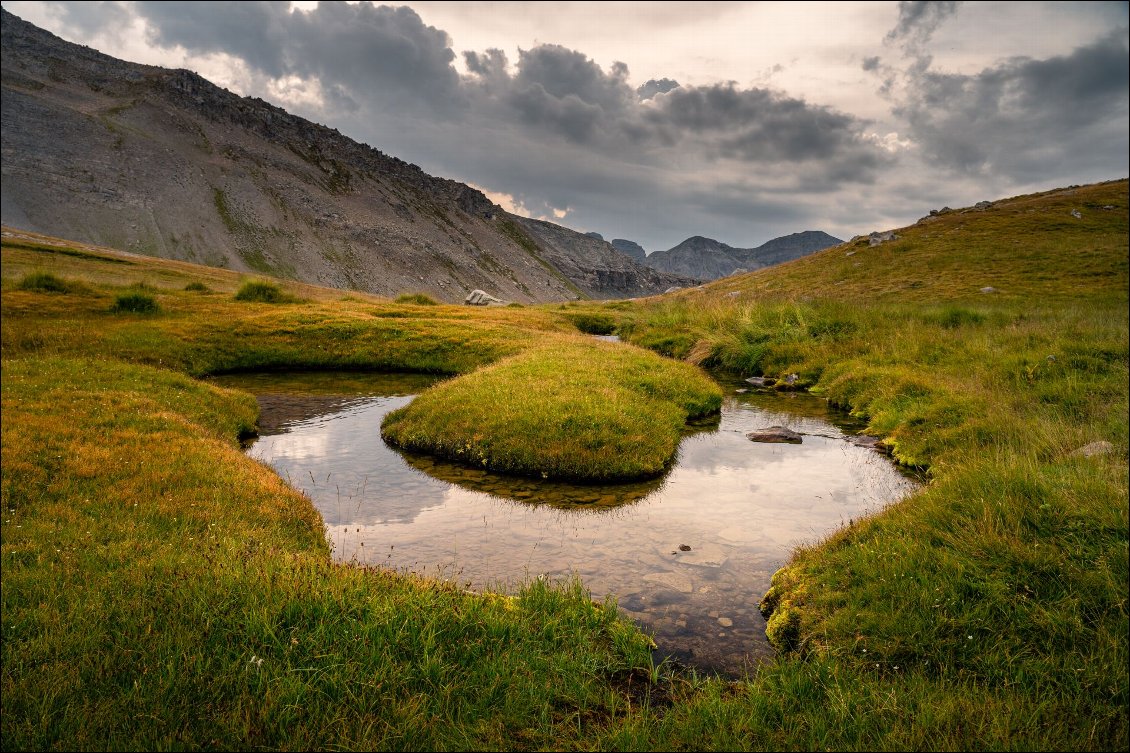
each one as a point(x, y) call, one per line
point(342, 464)
point(740, 505)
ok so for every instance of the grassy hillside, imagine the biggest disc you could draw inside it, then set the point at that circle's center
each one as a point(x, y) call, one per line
point(161, 590)
point(991, 608)
point(988, 611)
point(1029, 248)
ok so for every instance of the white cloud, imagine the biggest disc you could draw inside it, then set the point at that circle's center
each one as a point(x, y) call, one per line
point(515, 205)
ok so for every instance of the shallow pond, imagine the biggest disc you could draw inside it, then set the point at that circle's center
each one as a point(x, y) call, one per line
point(688, 555)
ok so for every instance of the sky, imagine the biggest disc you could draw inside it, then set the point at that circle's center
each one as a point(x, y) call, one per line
point(654, 122)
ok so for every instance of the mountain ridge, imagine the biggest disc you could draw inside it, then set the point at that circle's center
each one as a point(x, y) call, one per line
point(709, 259)
point(165, 163)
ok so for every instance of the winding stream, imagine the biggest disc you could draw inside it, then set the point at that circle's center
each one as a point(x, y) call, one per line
point(687, 556)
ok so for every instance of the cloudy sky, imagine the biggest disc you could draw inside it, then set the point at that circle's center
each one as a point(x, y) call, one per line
point(659, 121)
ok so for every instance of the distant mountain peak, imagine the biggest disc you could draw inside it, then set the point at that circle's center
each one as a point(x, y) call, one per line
point(708, 259)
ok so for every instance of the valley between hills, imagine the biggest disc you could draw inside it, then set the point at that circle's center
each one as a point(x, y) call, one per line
point(161, 589)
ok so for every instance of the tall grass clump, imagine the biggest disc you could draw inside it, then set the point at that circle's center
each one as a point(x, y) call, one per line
point(197, 287)
point(45, 282)
point(953, 317)
point(135, 302)
point(261, 291)
point(593, 322)
point(417, 299)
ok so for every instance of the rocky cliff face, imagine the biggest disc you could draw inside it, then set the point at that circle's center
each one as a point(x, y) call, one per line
point(593, 266)
point(708, 259)
point(165, 163)
point(631, 249)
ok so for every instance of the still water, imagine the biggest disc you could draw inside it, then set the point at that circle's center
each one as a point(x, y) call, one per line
point(687, 556)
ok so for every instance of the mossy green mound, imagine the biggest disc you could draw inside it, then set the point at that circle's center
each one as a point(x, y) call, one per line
point(419, 299)
point(262, 291)
point(577, 410)
point(45, 282)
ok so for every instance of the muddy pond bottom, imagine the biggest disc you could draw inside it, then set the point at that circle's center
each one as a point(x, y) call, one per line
point(687, 556)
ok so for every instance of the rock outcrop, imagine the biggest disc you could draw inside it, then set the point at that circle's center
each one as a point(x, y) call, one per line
point(482, 298)
point(592, 267)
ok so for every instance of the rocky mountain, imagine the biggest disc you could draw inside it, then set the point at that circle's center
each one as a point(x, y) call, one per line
point(592, 263)
point(165, 163)
point(699, 257)
point(631, 249)
point(708, 259)
point(786, 248)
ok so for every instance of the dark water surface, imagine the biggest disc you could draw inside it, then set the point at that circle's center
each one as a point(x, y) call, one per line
point(739, 506)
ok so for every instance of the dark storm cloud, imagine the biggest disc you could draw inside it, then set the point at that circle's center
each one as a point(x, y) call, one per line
point(561, 90)
point(555, 90)
point(372, 57)
point(653, 87)
point(378, 54)
point(490, 64)
point(554, 128)
point(562, 73)
point(762, 126)
point(1025, 118)
point(919, 20)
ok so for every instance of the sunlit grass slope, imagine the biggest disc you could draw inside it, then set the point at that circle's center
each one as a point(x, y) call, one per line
point(990, 609)
point(578, 410)
point(599, 412)
point(1060, 245)
point(161, 590)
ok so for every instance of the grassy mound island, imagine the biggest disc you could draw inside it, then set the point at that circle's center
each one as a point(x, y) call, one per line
point(162, 590)
point(598, 411)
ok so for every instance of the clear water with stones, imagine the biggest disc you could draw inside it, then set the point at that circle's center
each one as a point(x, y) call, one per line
point(687, 556)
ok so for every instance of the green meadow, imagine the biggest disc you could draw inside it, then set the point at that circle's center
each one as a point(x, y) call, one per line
point(161, 590)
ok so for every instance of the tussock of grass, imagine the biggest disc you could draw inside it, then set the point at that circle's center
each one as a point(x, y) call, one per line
point(135, 303)
point(197, 287)
point(599, 412)
point(45, 282)
point(261, 291)
point(593, 322)
point(417, 299)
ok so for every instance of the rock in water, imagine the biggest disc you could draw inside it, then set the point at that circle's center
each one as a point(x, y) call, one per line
point(775, 434)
